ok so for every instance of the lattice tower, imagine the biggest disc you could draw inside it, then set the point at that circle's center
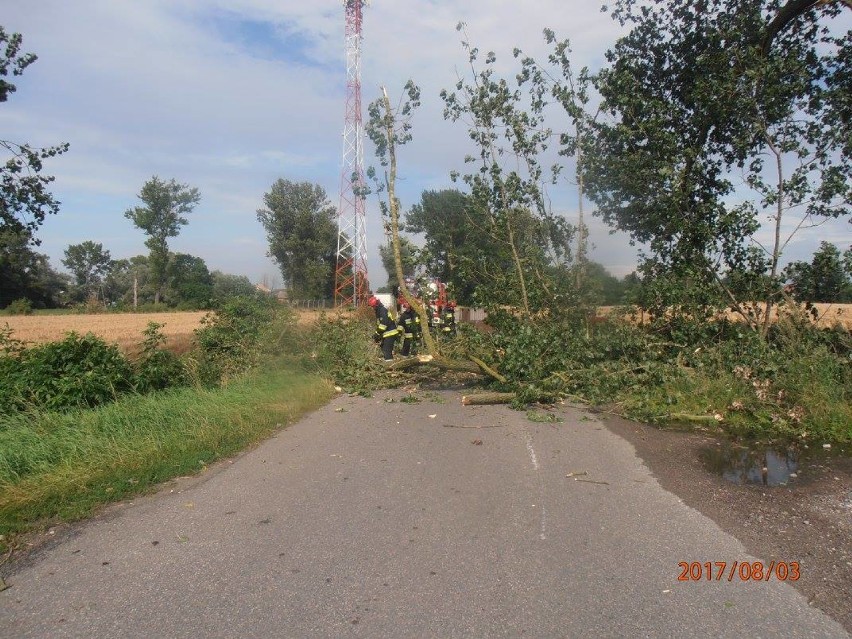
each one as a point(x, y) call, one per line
point(351, 285)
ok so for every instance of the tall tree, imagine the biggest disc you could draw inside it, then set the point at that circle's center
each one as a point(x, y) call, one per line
point(390, 128)
point(89, 263)
point(165, 205)
point(408, 253)
point(827, 278)
point(445, 219)
point(571, 91)
point(506, 184)
point(24, 198)
point(301, 229)
point(692, 98)
point(190, 283)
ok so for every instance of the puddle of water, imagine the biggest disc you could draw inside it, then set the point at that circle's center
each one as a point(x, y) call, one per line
point(760, 464)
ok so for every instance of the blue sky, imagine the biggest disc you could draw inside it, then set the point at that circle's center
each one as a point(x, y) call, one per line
point(230, 95)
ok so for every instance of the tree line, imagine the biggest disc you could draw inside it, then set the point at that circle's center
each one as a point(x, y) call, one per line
point(712, 127)
point(686, 100)
point(161, 278)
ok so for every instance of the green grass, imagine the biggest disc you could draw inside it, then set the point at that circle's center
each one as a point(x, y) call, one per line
point(807, 401)
point(59, 467)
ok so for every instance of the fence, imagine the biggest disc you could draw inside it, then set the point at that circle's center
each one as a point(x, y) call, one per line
point(470, 315)
point(311, 304)
point(463, 313)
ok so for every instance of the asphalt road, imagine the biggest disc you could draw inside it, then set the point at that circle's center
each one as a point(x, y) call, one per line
point(386, 519)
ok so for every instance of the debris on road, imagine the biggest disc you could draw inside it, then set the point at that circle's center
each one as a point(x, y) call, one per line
point(592, 481)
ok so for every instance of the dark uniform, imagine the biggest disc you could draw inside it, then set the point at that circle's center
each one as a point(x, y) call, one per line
point(410, 323)
point(386, 329)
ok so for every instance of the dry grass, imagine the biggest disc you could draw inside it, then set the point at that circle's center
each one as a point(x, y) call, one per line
point(828, 315)
point(309, 316)
point(123, 329)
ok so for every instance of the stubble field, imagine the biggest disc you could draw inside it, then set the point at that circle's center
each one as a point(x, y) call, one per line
point(827, 315)
point(122, 329)
point(125, 329)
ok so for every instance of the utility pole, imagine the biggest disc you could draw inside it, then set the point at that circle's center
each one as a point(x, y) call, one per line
point(351, 285)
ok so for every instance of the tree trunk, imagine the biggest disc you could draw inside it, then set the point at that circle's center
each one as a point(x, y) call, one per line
point(776, 248)
point(472, 365)
point(581, 231)
point(393, 203)
point(481, 399)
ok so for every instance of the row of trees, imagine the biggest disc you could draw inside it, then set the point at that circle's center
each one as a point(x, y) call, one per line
point(185, 282)
point(94, 278)
point(654, 146)
point(302, 235)
point(160, 277)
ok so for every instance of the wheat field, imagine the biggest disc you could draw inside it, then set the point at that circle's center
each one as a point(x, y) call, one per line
point(828, 315)
point(122, 329)
point(125, 329)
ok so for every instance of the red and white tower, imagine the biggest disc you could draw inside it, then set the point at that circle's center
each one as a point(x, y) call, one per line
point(351, 285)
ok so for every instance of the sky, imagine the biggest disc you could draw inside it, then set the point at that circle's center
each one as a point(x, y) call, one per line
point(230, 95)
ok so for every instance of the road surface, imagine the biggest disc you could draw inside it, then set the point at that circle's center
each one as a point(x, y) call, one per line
point(375, 518)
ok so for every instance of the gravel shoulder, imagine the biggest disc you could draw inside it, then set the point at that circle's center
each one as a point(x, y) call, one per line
point(810, 522)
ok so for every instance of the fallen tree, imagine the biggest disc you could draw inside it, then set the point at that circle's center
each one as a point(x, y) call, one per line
point(388, 128)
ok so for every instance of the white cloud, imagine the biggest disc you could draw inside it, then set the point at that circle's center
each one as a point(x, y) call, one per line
point(169, 88)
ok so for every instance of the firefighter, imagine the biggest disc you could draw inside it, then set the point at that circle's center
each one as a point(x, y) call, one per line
point(448, 320)
point(436, 310)
point(386, 329)
point(410, 324)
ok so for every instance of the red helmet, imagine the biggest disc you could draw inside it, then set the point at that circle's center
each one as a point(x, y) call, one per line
point(451, 304)
point(373, 302)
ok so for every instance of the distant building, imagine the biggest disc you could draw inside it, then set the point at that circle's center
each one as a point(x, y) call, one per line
point(280, 294)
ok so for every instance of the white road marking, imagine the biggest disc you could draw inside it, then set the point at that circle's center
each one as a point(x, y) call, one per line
point(531, 451)
point(543, 511)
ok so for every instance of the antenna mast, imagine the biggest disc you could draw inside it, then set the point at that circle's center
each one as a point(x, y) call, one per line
point(351, 285)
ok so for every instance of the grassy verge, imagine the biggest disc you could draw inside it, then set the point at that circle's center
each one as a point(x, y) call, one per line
point(58, 467)
point(808, 412)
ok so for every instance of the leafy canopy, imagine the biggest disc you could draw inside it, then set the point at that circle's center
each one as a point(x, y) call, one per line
point(301, 229)
point(166, 205)
point(24, 198)
point(88, 262)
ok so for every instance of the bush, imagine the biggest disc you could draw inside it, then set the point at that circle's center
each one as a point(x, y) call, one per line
point(232, 339)
point(157, 368)
point(342, 350)
point(21, 306)
point(74, 372)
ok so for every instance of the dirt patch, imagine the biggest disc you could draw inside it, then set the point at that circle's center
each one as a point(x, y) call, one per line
point(810, 522)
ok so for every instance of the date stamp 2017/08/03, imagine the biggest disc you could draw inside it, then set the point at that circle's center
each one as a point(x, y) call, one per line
point(741, 570)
